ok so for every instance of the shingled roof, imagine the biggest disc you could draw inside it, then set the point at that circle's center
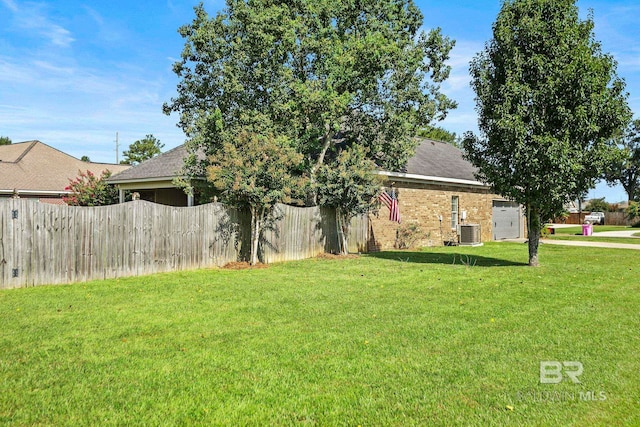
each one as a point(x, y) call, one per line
point(34, 167)
point(166, 166)
point(439, 159)
point(432, 159)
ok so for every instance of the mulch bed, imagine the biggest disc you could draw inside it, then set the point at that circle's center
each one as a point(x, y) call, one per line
point(334, 256)
point(243, 266)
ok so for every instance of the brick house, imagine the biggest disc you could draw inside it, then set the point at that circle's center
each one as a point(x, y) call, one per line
point(38, 171)
point(438, 191)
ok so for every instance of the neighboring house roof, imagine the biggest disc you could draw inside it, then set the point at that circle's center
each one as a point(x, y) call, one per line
point(433, 161)
point(37, 168)
point(165, 166)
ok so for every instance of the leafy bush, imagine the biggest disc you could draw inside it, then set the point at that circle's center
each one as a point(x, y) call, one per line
point(545, 232)
point(89, 190)
point(408, 234)
point(633, 212)
point(598, 205)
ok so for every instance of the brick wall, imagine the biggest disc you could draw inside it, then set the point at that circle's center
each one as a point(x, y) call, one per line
point(422, 204)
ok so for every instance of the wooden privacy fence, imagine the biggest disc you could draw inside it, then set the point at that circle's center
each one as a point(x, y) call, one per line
point(46, 244)
point(610, 218)
point(616, 218)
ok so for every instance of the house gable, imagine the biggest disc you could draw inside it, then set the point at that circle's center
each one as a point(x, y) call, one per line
point(37, 169)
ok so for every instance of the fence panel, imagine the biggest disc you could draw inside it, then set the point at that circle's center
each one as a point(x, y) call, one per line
point(616, 218)
point(48, 244)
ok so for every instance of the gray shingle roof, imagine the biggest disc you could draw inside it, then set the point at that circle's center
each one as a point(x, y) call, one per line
point(167, 165)
point(441, 160)
point(432, 158)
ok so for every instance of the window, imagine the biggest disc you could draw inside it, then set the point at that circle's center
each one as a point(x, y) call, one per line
point(454, 212)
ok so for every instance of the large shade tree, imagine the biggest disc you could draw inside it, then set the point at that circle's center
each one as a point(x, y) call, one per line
point(624, 166)
point(323, 75)
point(548, 100)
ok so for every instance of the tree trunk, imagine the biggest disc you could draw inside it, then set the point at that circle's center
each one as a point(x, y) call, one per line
point(326, 144)
point(533, 228)
point(631, 192)
point(342, 226)
point(255, 234)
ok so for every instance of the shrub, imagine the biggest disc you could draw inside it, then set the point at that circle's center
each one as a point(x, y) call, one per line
point(545, 232)
point(633, 211)
point(408, 234)
point(89, 190)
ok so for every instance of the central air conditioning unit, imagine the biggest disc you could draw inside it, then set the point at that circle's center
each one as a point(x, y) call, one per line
point(470, 235)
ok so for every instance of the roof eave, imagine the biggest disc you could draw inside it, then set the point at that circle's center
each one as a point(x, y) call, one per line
point(136, 180)
point(35, 192)
point(425, 179)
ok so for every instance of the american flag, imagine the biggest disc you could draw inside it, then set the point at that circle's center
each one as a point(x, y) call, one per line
point(391, 201)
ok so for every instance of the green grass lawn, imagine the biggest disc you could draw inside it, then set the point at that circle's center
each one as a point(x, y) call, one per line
point(447, 336)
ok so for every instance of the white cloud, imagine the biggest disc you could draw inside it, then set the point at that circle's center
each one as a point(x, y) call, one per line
point(79, 109)
point(93, 14)
point(58, 35)
point(33, 17)
point(459, 79)
point(11, 5)
point(49, 68)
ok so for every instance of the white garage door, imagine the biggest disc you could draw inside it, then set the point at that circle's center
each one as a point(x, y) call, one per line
point(506, 220)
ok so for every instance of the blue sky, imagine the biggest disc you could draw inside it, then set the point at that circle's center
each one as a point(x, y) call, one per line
point(73, 73)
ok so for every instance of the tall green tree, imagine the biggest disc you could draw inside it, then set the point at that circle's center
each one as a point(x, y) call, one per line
point(322, 74)
point(437, 133)
point(548, 100)
point(597, 205)
point(5, 140)
point(141, 150)
point(254, 172)
point(351, 187)
point(624, 165)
